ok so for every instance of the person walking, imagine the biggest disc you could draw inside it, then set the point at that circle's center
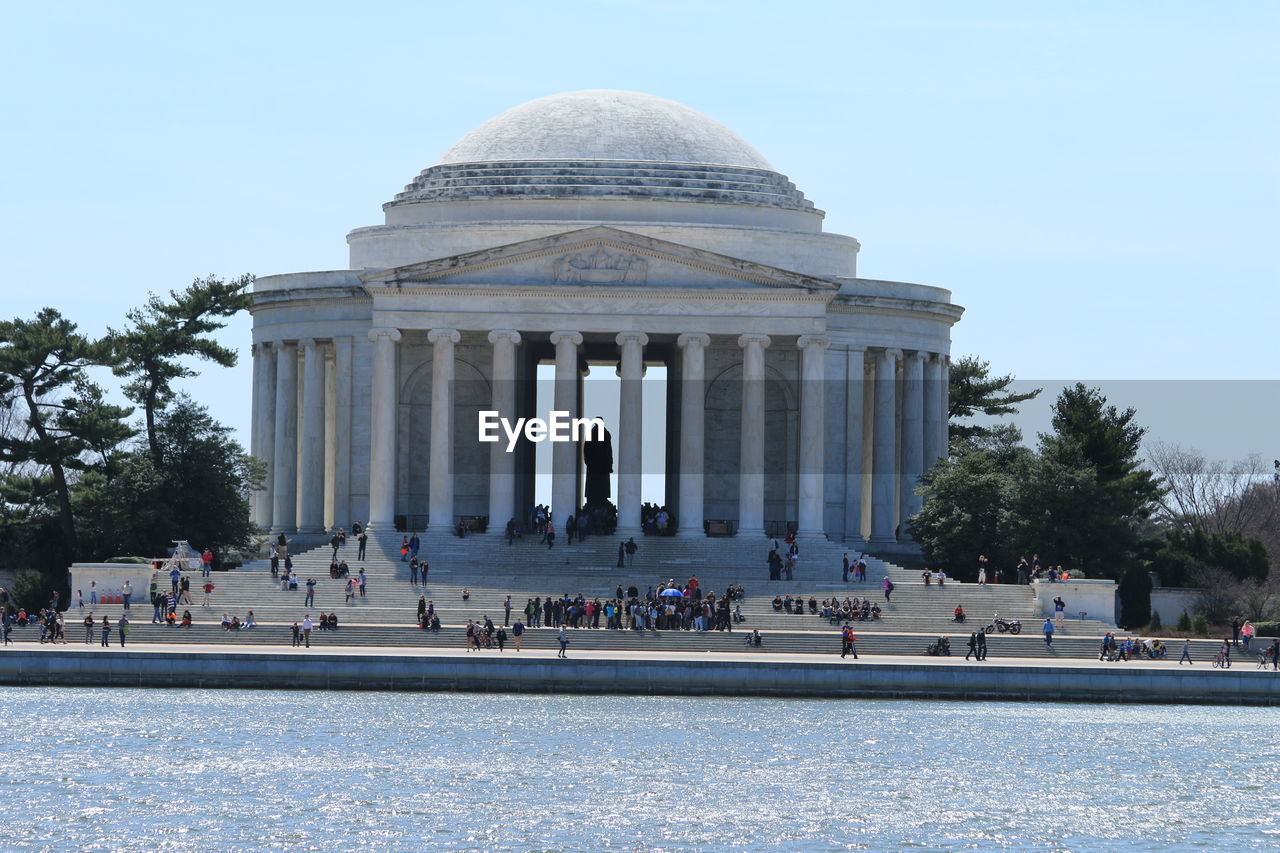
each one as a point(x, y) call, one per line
point(631, 551)
point(1186, 653)
point(363, 542)
point(847, 642)
point(88, 629)
point(306, 630)
point(888, 588)
point(982, 645)
point(208, 591)
point(506, 612)
point(501, 637)
point(1048, 633)
point(363, 580)
point(126, 593)
point(622, 555)
point(973, 646)
point(564, 640)
point(517, 631)
point(551, 535)
point(297, 634)
point(310, 600)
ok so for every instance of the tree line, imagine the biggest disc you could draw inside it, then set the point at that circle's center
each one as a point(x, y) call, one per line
point(1088, 496)
point(84, 479)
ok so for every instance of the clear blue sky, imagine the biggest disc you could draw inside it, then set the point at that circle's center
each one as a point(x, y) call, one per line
point(1095, 182)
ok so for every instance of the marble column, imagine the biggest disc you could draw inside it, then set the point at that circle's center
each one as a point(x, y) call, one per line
point(285, 450)
point(440, 498)
point(564, 454)
point(913, 400)
point(338, 512)
point(311, 473)
point(630, 430)
point(502, 464)
point(855, 371)
point(933, 449)
point(813, 461)
point(264, 428)
point(884, 452)
point(751, 458)
point(330, 436)
point(382, 429)
point(944, 406)
point(690, 514)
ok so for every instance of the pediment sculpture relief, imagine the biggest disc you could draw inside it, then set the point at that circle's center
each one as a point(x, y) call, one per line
point(601, 266)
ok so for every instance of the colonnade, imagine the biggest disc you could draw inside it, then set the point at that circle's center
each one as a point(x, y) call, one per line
point(894, 428)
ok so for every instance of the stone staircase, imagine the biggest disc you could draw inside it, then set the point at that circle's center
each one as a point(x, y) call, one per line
point(490, 569)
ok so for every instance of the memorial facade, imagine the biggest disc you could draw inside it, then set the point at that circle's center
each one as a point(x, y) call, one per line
point(610, 228)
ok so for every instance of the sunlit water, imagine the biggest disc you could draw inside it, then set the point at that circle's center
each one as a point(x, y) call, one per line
point(121, 769)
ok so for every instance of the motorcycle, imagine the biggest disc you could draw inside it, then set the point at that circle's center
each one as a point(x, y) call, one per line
point(1012, 626)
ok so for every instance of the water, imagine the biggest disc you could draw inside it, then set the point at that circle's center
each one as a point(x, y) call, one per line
point(154, 770)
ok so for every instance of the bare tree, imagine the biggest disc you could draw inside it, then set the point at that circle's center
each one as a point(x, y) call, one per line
point(1215, 495)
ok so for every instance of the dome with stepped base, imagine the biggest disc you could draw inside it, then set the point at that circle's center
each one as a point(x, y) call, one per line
point(602, 144)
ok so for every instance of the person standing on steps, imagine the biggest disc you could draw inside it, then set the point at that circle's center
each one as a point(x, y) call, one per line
point(122, 628)
point(888, 588)
point(847, 641)
point(501, 637)
point(844, 573)
point(306, 630)
point(363, 581)
point(208, 591)
point(622, 555)
point(106, 632)
point(415, 544)
point(1048, 633)
point(363, 541)
point(632, 547)
point(551, 535)
point(310, 600)
point(517, 631)
point(1059, 607)
point(564, 642)
point(404, 549)
point(982, 645)
point(506, 612)
point(334, 543)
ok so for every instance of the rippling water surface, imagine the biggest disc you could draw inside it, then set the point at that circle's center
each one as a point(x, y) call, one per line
point(219, 770)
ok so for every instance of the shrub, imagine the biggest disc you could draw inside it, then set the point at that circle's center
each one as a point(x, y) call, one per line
point(1184, 622)
point(1267, 629)
point(1200, 624)
point(1155, 624)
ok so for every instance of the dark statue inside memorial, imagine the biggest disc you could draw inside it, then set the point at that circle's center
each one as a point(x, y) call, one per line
point(597, 455)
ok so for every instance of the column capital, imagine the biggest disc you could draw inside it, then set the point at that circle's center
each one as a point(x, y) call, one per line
point(819, 341)
point(890, 352)
point(692, 339)
point(504, 335)
point(856, 348)
point(753, 338)
point(384, 332)
point(920, 355)
point(308, 343)
point(574, 338)
point(942, 358)
point(625, 338)
point(435, 336)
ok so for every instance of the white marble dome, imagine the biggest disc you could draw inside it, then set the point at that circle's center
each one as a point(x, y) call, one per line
point(604, 124)
point(601, 146)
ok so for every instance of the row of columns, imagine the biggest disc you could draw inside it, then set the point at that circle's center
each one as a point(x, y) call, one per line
point(307, 479)
point(297, 430)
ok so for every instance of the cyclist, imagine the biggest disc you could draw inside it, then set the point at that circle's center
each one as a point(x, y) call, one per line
point(1224, 655)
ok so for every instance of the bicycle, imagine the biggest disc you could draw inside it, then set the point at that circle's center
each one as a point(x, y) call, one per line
point(1223, 660)
point(1264, 659)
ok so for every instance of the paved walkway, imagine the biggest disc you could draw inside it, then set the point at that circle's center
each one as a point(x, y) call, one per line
point(1239, 665)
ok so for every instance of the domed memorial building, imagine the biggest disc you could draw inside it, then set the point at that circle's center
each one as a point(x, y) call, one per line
point(603, 227)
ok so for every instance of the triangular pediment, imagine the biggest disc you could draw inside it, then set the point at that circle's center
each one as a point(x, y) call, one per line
point(596, 257)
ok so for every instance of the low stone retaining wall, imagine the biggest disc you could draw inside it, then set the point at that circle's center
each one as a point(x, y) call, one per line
point(1244, 685)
